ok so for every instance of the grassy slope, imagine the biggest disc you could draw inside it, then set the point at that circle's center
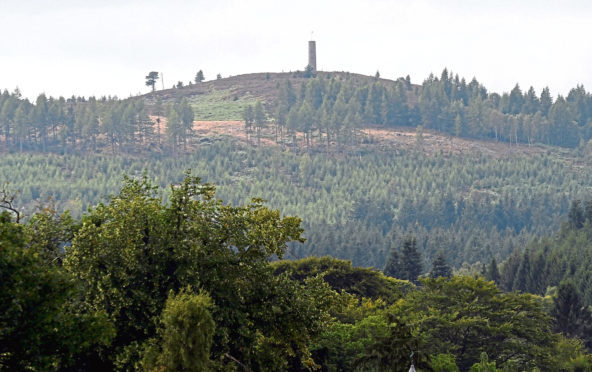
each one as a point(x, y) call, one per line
point(225, 99)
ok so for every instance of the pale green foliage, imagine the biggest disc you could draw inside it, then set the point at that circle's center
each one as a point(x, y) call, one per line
point(186, 334)
point(444, 363)
point(484, 365)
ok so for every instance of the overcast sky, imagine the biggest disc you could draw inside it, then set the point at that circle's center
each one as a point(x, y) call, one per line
point(106, 47)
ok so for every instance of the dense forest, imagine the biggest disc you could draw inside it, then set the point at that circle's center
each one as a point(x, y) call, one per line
point(354, 206)
point(140, 283)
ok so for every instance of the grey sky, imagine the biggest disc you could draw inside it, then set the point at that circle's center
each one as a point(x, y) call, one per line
point(107, 47)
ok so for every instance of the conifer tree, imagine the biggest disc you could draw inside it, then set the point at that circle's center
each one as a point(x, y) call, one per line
point(249, 118)
point(411, 260)
point(199, 77)
point(440, 267)
point(493, 272)
point(576, 215)
point(571, 317)
point(509, 271)
point(259, 119)
point(523, 276)
point(393, 264)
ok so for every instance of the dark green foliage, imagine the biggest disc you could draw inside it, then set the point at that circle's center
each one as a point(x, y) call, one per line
point(151, 79)
point(411, 261)
point(522, 282)
point(493, 273)
point(342, 276)
point(571, 317)
point(199, 77)
point(354, 206)
point(41, 324)
point(576, 217)
point(396, 350)
point(405, 263)
point(187, 285)
point(440, 267)
point(444, 363)
point(393, 267)
point(547, 262)
point(513, 329)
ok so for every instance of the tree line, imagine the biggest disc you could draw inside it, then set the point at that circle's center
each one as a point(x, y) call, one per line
point(334, 110)
point(326, 109)
point(85, 125)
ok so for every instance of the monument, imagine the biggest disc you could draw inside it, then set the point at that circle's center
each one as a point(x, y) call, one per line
point(312, 56)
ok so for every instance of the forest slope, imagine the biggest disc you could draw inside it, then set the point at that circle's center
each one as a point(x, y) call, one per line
point(362, 160)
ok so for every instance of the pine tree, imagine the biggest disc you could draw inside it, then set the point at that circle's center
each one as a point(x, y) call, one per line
point(575, 215)
point(588, 211)
point(199, 77)
point(440, 267)
point(411, 259)
point(259, 120)
point(546, 101)
point(392, 267)
point(509, 271)
point(493, 272)
point(571, 317)
point(523, 276)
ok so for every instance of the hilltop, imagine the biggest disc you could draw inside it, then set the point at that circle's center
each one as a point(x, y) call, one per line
point(219, 105)
point(225, 98)
point(261, 85)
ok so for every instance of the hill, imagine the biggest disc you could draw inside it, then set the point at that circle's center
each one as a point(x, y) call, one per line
point(363, 161)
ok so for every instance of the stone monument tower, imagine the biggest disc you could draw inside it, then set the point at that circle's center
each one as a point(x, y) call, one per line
point(312, 55)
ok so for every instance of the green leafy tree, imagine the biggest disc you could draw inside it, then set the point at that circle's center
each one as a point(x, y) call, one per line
point(576, 217)
point(41, 324)
point(132, 252)
point(511, 328)
point(186, 334)
point(444, 363)
point(393, 266)
point(249, 118)
point(174, 128)
point(484, 365)
point(396, 350)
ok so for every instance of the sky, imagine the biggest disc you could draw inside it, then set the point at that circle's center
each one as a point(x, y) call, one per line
point(107, 47)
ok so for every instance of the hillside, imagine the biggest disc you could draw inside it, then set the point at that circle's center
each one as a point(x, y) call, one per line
point(219, 105)
point(363, 161)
